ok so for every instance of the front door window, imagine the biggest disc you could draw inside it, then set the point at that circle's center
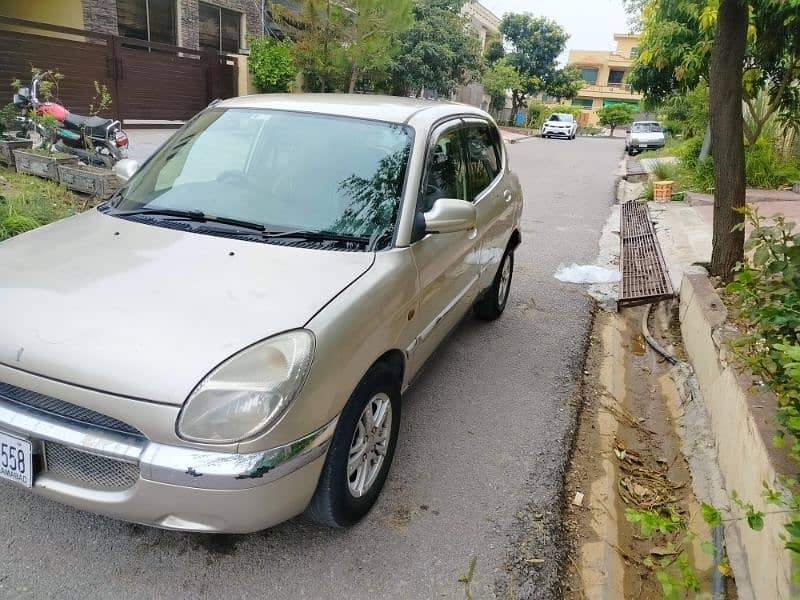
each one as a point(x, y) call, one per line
point(446, 172)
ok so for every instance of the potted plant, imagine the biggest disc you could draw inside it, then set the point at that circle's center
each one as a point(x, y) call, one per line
point(89, 179)
point(8, 135)
point(44, 160)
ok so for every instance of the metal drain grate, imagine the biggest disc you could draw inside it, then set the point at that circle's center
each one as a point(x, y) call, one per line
point(96, 471)
point(644, 274)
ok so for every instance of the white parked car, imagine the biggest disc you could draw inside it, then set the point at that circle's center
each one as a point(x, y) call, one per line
point(560, 125)
point(644, 135)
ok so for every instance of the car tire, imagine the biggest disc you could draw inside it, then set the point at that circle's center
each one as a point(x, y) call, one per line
point(493, 301)
point(335, 503)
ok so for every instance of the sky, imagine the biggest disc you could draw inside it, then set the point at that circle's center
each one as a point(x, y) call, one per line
point(590, 23)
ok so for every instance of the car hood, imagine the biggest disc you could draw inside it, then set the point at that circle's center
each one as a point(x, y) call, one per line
point(145, 311)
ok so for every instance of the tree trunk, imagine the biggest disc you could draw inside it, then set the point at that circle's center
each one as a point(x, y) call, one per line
point(353, 79)
point(514, 107)
point(705, 150)
point(727, 137)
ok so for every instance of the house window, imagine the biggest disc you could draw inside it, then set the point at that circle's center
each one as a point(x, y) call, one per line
point(220, 28)
point(585, 103)
point(150, 20)
point(615, 77)
point(589, 75)
point(634, 52)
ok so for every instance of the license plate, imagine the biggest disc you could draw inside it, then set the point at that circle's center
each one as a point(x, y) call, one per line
point(16, 460)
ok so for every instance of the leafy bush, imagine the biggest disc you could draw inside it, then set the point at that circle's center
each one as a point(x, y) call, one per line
point(767, 168)
point(765, 297)
point(271, 64)
point(8, 116)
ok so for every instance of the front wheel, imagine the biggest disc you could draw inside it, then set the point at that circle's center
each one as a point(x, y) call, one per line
point(493, 302)
point(361, 451)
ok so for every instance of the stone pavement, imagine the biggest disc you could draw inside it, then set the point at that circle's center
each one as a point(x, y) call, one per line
point(685, 229)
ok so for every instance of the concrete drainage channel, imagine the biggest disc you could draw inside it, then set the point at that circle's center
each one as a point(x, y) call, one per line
point(644, 452)
point(637, 425)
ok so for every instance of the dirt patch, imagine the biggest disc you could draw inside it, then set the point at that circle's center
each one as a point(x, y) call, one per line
point(627, 456)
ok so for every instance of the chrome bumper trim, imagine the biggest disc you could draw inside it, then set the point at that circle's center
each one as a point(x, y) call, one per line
point(190, 467)
point(176, 465)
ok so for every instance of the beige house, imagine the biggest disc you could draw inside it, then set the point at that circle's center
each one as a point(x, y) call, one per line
point(484, 23)
point(605, 77)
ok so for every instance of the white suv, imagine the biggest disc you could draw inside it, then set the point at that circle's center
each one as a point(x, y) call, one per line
point(560, 125)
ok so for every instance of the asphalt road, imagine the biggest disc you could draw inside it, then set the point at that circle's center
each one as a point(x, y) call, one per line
point(477, 478)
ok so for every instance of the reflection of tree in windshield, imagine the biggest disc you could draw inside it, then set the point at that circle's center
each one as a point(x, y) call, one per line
point(373, 202)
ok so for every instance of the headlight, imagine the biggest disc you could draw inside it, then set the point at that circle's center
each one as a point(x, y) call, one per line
point(249, 391)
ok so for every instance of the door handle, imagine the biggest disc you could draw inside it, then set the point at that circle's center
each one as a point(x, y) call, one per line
point(507, 195)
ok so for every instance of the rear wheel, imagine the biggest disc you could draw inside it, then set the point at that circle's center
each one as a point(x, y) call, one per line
point(361, 451)
point(493, 302)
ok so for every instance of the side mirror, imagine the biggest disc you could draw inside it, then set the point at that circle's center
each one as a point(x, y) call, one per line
point(125, 168)
point(448, 215)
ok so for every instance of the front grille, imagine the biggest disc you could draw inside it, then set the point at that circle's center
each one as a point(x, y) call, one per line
point(96, 471)
point(63, 409)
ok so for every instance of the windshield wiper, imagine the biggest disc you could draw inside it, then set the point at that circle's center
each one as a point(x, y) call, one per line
point(316, 234)
point(191, 215)
point(201, 217)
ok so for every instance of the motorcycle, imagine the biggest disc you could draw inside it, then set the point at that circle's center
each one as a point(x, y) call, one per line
point(94, 140)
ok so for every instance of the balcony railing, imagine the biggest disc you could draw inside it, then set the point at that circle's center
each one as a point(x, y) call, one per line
point(608, 88)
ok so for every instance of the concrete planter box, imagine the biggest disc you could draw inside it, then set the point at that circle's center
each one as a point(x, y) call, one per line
point(7, 147)
point(43, 165)
point(88, 180)
point(743, 422)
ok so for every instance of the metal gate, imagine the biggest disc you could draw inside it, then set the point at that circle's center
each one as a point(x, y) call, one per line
point(147, 80)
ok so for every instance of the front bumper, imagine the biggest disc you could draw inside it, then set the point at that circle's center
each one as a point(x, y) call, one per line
point(645, 146)
point(565, 133)
point(127, 476)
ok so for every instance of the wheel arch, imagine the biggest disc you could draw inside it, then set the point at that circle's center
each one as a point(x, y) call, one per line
point(515, 240)
point(396, 361)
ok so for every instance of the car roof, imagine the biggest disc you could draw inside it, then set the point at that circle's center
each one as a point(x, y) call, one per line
point(393, 109)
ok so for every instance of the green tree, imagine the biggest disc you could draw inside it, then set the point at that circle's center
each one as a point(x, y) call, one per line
point(271, 64)
point(437, 53)
point(371, 36)
point(497, 80)
point(616, 115)
point(317, 28)
point(564, 84)
point(494, 50)
point(675, 53)
point(536, 44)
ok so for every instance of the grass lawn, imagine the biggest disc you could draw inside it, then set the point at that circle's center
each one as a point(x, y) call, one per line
point(27, 202)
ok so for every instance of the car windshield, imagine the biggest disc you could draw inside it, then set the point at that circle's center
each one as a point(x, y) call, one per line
point(561, 117)
point(284, 170)
point(646, 128)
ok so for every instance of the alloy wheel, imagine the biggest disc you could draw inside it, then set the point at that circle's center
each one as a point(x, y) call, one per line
point(370, 444)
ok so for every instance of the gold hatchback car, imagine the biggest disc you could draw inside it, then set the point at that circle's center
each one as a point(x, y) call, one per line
point(225, 342)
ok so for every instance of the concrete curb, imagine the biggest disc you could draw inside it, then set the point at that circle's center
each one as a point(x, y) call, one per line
point(742, 423)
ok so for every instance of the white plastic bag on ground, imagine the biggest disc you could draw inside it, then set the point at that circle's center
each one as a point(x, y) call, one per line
point(587, 274)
